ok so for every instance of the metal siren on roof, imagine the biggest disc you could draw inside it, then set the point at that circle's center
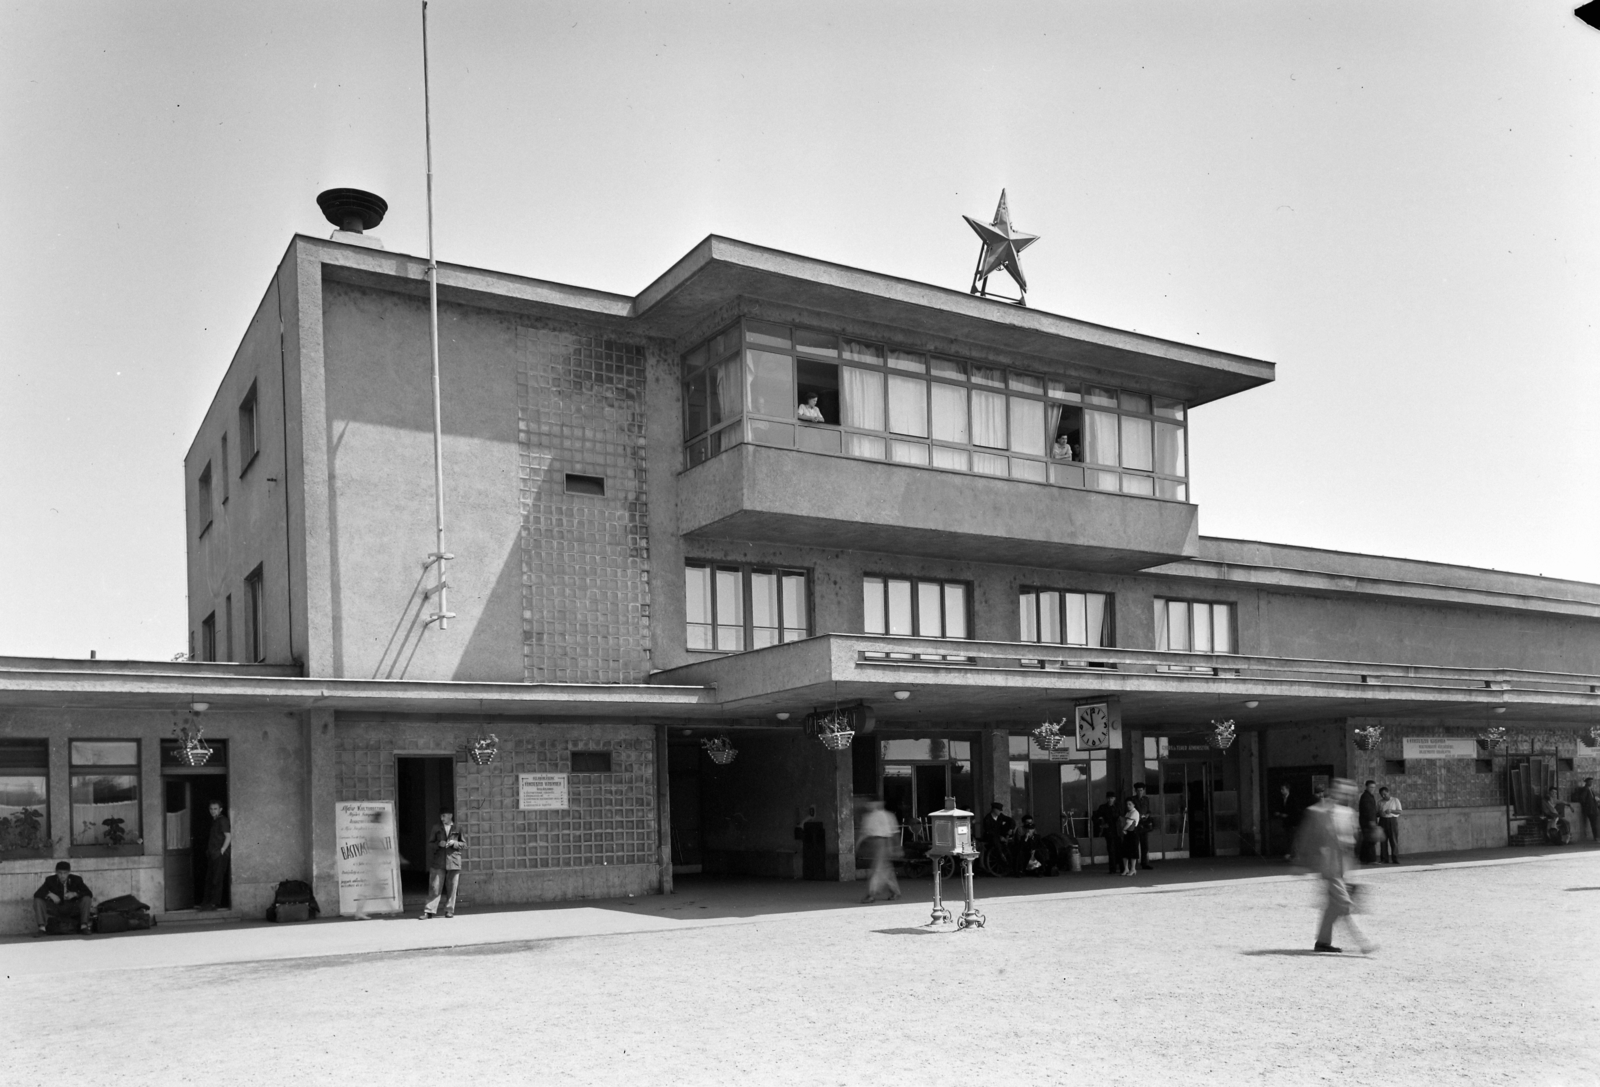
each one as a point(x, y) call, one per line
point(1221, 735)
point(1001, 247)
point(1367, 738)
point(1048, 736)
point(352, 210)
point(721, 749)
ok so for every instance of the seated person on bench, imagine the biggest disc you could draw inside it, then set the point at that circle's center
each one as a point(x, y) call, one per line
point(63, 895)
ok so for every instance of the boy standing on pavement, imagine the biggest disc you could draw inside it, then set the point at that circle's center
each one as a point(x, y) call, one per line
point(1389, 819)
point(444, 865)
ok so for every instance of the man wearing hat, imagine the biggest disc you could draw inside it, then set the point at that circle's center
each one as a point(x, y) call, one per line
point(1327, 833)
point(62, 895)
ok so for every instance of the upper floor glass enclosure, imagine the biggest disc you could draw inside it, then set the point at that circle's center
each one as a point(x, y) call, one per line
point(795, 388)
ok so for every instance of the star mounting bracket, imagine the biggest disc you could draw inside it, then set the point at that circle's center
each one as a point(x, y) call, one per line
point(1001, 248)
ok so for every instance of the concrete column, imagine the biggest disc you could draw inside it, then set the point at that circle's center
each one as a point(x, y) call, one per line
point(845, 813)
point(995, 762)
point(322, 795)
point(663, 810)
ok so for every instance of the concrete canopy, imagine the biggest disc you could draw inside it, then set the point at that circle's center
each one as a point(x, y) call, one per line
point(993, 683)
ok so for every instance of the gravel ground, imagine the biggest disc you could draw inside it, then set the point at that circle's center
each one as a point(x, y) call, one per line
point(1485, 974)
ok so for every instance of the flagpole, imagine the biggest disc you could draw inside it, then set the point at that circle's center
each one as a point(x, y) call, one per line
point(439, 555)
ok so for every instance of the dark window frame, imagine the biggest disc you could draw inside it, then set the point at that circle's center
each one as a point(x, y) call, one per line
point(1233, 625)
point(203, 499)
point(81, 770)
point(208, 638)
point(916, 605)
point(18, 766)
point(574, 756)
point(1035, 590)
point(747, 599)
point(255, 626)
point(249, 430)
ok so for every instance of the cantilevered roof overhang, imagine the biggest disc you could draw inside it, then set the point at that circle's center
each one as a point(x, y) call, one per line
point(719, 270)
point(125, 685)
point(975, 684)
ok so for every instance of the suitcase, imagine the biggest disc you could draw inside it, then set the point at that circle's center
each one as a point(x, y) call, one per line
point(111, 922)
point(292, 911)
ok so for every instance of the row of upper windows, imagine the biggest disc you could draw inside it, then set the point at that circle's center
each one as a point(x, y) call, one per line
point(215, 643)
point(206, 484)
point(731, 607)
point(795, 388)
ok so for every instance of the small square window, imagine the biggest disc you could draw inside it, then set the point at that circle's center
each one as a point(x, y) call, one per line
point(594, 485)
point(1483, 766)
point(1394, 767)
point(1565, 765)
point(591, 762)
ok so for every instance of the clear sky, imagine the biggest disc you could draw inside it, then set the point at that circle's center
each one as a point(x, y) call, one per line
point(1398, 203)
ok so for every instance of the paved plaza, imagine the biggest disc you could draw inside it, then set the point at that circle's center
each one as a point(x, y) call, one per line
point(1488, 972)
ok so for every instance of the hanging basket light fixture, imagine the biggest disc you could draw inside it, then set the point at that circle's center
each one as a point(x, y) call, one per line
point(1367, 738)
point(1049, 737)
point(1590, 737)
point(192, 747)
point(1493, 738)
point(1221, 735)
point(720, 749)
point(485, 749)
point(836, 729)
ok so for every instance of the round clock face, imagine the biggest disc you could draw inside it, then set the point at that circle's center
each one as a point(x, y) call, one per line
point(1094, 726)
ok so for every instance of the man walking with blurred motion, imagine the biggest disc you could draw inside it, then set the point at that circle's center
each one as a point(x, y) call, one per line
point(1327, 831)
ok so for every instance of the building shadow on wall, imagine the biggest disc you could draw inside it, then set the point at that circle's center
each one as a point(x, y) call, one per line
point(406, 637)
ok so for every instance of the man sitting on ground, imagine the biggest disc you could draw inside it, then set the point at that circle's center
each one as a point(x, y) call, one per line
point(63, 895)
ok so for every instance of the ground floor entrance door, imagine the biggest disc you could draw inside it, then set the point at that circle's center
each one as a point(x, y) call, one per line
point(683, 798)
point(425, 785)
point(187, 795)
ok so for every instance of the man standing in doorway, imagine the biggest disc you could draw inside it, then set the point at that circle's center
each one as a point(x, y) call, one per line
point(1389, 817)
point(1141, 800)
point(219, 859)
point(1367, 812)
point(444, 865)
point(1589, 808)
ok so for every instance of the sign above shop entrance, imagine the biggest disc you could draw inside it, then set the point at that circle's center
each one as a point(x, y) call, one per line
point(1439, 747)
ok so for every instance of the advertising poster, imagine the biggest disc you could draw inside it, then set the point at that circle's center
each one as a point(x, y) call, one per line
point(541, 792)
point(369, 857)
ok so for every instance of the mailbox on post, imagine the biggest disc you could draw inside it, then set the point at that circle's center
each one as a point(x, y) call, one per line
point(952, 837)
point(952, 830)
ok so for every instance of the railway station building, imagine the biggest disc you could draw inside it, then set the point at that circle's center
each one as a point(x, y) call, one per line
point(764, 494)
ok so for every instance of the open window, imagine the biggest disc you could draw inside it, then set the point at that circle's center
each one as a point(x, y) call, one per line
point(817, 388)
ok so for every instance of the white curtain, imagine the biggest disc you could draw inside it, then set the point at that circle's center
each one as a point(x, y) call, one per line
point(989, 419)
point(1100, 437)
point(863, 399)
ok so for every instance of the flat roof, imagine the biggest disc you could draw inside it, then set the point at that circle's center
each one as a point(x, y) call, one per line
point(722, 270)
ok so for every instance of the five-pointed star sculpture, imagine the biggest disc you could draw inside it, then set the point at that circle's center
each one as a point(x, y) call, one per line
point(1001, 244)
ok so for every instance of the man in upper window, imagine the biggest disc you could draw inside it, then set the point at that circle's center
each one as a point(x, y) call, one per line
point(219, 859)
point(63, 895)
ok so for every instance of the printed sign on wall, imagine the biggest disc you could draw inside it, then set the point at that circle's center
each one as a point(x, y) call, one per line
point(541, 792)
point(1439, 747)
point(369, 857)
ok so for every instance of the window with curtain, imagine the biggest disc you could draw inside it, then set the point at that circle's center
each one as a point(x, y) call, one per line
point(1194, 626)
point(103, 776)
point(788, 387)
point(921, 607)
point(730, 607)
point(24, 796)
point(1065, 617)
